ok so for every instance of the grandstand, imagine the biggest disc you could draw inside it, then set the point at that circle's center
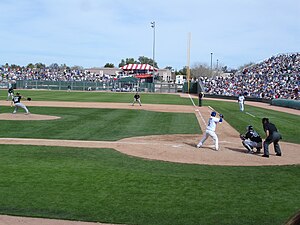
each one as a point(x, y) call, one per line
point(272, 78)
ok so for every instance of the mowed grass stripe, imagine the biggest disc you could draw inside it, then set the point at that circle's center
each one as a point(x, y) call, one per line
point(146, 98)
point(106, 186)
point(288, 124)
point(99, 124)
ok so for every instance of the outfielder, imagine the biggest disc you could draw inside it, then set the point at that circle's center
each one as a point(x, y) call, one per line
point(251, 139)
point(210, 130)
point(137, 98)
point(241, 100)
point(17, 101)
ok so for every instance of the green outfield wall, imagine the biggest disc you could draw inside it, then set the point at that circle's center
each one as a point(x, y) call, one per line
point(288, 103)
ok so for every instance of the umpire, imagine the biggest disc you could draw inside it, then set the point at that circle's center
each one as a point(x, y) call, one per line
point(200, 96)
point(272, 136)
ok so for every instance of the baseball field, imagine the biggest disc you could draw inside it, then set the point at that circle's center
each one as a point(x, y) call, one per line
point(91, 156)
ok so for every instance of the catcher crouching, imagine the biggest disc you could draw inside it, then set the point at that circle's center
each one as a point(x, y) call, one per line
point(251, 139)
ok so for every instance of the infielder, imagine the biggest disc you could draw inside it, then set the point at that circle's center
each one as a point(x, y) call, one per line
point(210, 130)
point(137, 98)
point(10, 93)
point(251, 139)
point(17, 101)
point(241, 100)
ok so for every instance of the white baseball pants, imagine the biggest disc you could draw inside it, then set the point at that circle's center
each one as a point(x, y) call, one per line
point(241, 106)
point(214, 137)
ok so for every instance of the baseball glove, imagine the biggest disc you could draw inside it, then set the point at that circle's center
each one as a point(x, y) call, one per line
point(242, 137)
point(221, 115)
point(28, 99)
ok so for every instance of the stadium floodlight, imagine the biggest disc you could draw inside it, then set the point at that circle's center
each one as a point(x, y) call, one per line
point(153, 52)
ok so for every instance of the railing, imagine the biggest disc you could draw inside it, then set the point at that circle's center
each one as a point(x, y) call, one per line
point(96, 86)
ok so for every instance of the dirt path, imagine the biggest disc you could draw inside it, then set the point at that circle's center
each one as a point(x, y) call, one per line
point(172, 148)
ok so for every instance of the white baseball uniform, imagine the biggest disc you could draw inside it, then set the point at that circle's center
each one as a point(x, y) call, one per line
point(241, 100)
point(210, 131)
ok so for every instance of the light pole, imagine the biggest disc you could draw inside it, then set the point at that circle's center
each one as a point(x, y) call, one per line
point(217, 67)
point(153, 51)
point(211, 55)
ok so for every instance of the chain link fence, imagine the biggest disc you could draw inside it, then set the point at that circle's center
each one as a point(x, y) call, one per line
point(116, 86)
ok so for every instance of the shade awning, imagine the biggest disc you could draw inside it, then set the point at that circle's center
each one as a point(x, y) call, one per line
point(138, 67)
point(128, 79)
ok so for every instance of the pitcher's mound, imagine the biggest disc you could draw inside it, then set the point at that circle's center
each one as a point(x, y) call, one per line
point(23, 116)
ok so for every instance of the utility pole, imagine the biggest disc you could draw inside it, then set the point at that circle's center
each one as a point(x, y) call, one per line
point(188, 71)
point(153, 53)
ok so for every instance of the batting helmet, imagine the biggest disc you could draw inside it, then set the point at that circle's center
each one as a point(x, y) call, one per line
point(213, 114)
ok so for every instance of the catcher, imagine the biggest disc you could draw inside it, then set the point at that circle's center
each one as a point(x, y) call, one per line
point(251, 139)
point(17, 101)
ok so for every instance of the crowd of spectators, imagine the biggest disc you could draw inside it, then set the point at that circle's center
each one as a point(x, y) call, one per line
point(276, 77)
point(50, 74)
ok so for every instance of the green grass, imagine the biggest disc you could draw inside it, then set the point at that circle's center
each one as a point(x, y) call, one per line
point(106, 186)
point(288, 124)
point(146, 98)
point(99, 124)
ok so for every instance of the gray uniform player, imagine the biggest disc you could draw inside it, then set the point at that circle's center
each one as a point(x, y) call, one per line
point(10, 93)
point(17, 102)
point(137, 98)
point(251, 139)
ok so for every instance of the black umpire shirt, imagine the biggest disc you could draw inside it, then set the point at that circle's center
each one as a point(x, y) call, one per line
point(271, 128)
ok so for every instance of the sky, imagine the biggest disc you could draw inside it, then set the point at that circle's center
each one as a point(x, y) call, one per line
point(91, 33)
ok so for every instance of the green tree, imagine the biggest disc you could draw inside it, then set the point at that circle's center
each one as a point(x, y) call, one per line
point(54, 66)
point(64, 67)
point(127, 61)
point(15, 67)
point(30, 66)
point(131, 61)
point(183, 71)
point(109, 65)
point(141, 60)
point(146, 60)
point(40, 65)
point(122, 63)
